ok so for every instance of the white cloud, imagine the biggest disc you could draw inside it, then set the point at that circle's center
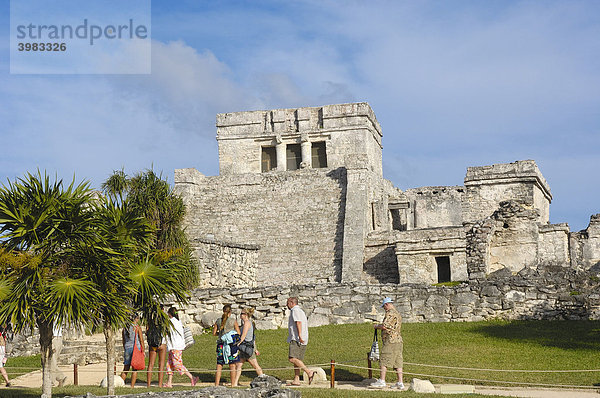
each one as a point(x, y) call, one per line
point(93, 125)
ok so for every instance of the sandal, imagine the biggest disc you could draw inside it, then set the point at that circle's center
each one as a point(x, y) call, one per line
point(293, 384)
point(195, 380)
point(310, 378)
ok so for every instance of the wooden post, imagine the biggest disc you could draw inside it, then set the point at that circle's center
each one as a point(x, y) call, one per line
point(369, 365)
point(75, 375)
point(115, 369)
point(332, 374)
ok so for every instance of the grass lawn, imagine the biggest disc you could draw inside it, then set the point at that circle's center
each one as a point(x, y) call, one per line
point(531, 345)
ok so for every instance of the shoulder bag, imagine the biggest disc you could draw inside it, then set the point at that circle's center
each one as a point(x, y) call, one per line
point(374, 353)
point(138, 361)
point(188, 337)
point(247, 347)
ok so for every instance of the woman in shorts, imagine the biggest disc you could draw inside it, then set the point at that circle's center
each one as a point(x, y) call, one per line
point(228, 332)
point(248, 339)
point(157, 346)
point(131, 335)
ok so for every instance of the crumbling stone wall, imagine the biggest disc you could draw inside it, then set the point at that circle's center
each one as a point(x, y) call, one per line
point(487, 186)
point(416, 252)
point(585, 246)
point(380, 265)
point(507, 239)
point(224, 264)
point(435, 206)
point(514, 240)
point(296, 217)
point(554, 293)
point(546, 293)
point(553, 244)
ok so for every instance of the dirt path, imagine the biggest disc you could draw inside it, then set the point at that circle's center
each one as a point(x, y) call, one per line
point(93, 374)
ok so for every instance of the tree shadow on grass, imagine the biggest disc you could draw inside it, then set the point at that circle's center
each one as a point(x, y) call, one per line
point(571, 335)
point(344, 375)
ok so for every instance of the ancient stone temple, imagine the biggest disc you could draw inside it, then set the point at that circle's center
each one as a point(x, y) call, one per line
point(301, 199)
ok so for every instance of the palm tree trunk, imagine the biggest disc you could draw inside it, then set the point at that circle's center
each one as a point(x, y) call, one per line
point(46, 353)
point(109, 336)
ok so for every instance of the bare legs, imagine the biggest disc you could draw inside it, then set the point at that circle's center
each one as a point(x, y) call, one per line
point(193, 380)
point(151, 359)
point(3, 371)
point(298, 364)
point(176, 363)
point(383, 371)
point(133, 374)
point(233, 371)
point(124, 372)
point(251, 361)
point(162, 354)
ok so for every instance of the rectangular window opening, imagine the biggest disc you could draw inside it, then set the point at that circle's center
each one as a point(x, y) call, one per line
point(268, 158)
point(398, 219)
point(294, 156)
point(319, 155)
point(443, 268)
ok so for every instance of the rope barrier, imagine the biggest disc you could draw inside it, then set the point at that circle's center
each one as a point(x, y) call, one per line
point(477, 380)
point(504, 370)
point(405, 363)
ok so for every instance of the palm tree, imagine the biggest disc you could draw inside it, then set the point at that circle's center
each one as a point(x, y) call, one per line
point(156, 263)
point(123, 237)
point(43, 227)
point(152, 196)
point(68, 257)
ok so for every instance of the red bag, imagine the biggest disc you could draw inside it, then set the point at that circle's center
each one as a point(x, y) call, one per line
point(138, 361)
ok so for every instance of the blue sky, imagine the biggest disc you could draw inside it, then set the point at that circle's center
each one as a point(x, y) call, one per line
point(453, 84)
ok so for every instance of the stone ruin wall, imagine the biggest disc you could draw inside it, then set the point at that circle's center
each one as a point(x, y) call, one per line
point(432, 207)
point(585, 246)
point(416, 251)
point(511, 239)
point(225, 264)
point(553, 248)
point(551, 293)
point(486, 186)
point(555, 293)
point(349, 131)
point(295, 217)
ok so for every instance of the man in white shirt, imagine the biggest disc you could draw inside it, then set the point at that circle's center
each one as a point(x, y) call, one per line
point(297, 339)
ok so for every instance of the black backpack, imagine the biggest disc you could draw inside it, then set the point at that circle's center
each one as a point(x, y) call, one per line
point(153, 337)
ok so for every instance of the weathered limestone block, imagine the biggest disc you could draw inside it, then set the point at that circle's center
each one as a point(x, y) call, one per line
point(319, 375)
point(466, 298)
point(317, 320)
point(422, 386)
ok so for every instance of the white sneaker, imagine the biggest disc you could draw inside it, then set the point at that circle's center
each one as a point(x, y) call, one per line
point(379, 383)
point(399, 386)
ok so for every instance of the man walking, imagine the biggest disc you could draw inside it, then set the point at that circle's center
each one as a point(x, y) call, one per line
point(391, 352)
point(297, 339)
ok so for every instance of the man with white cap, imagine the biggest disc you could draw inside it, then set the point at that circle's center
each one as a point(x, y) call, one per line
point(391, 351)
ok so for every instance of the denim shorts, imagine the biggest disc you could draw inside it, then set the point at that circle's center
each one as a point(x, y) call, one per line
point(127, 356)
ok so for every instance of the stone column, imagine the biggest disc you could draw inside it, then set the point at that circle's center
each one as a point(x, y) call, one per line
point(306, 148)
point(357, 216)
point(281, 156)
